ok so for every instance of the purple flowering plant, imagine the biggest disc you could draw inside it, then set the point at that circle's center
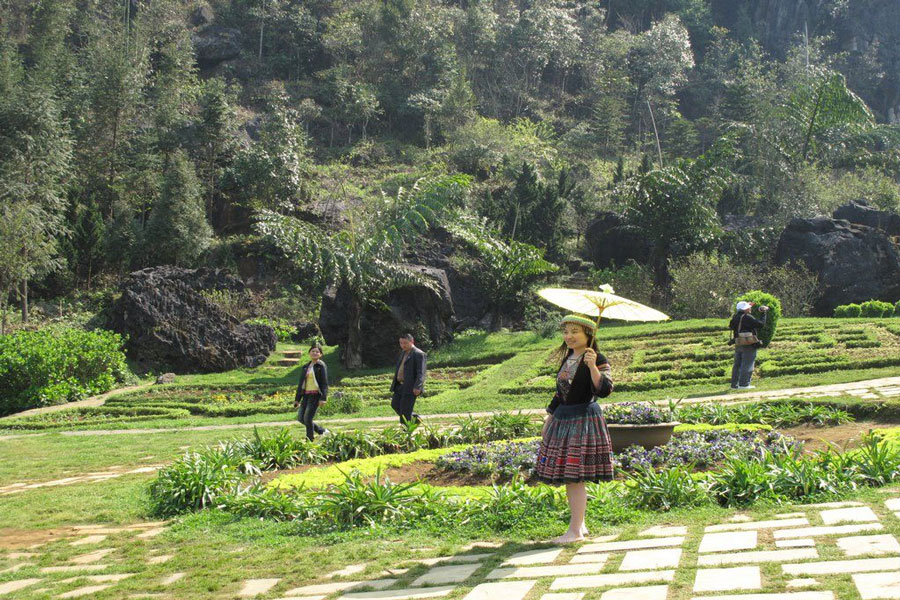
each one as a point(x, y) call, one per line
point(700, 449)
point(636, 413)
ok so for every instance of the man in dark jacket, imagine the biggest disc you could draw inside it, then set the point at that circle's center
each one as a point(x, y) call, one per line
point(745, 355)
point(409, 379)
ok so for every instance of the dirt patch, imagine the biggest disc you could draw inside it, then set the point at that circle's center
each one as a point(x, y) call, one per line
point(842, 436)
point(16, 539)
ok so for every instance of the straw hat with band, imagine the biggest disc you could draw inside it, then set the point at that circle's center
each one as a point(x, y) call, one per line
point(585, 322)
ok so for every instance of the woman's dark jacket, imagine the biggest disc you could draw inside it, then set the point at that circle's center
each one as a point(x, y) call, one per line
point(582, 390)
point(321, 372)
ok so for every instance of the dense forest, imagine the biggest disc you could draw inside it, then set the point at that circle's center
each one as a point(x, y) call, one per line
point(305, 143)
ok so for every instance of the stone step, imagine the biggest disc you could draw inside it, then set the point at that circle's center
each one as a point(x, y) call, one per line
point(288, 362)
point(292, 354)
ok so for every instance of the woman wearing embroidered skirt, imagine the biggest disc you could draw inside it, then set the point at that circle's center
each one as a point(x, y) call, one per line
point(575, 447)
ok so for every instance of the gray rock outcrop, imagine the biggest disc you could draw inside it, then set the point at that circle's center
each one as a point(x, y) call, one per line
point(216, 44)
point(170, 322)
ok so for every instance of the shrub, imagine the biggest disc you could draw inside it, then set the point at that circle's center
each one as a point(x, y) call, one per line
point(876, 309)
point(358, 502)
point(666, 489)
point(281, 450)
point(284, 329)
point(897, 309)
point(741, 482)
point(341, 402)
point(195, 481)
point(774, 304)
point(847, 311)
point(703, 285)
point(55, 366)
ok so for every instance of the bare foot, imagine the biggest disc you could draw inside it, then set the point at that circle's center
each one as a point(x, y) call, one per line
point(569, 538)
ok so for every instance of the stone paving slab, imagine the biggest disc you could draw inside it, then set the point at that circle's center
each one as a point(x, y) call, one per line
point(796, 543)
point(845, 504)
point(781, 596)
point(257, 587)
point(85, 591)
point(843, 566)
point(727, 580)
point(892, 504)
point(563, 596)
point(548, 571)
point(869, 544)
point(632, 545)
point(534, 557)
point(338, 586)
point(74, 569)
point(435, 592)
point(115, 577)
point(89, 540)
point(348, 571)
point(737, 558)
point(772, 524)
point(665, 531)
point(172, 578)
point(14, 586)
point(726, 542)
point(502, 590)
point(643, 560)
point(805, 582)
point(442, 575)
point(589, 558)
point(91, 557)
point(822, 531)
point(611, 580)
point(877, 585)
point(650, 592)
point(859, 514)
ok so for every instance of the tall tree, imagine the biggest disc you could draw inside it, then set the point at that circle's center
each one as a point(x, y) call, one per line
point(177, 232)
point(35, 155)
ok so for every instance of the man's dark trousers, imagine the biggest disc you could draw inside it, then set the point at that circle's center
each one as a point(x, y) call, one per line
point(403, 405)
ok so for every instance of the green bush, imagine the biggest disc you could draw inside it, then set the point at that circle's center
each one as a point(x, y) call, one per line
point(665, 489)
point(763, 299)
point(55, 366)
point(341, 402)
point(876, 309)
point(897, 309)
point(284, 330)
point(847, 311)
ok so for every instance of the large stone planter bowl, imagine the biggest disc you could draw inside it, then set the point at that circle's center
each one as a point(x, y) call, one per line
point(648, 436)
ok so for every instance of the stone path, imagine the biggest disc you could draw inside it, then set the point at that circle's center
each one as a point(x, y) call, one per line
point(887, 387)
point(19, 487)
point(844, 555)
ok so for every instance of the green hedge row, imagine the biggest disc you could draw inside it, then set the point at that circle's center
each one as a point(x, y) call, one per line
point(872, 309)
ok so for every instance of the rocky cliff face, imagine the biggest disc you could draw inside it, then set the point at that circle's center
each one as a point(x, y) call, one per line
point(868, 32)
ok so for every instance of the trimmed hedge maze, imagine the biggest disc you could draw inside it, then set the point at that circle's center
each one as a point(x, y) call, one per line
point(349, 396)
point(701, 355)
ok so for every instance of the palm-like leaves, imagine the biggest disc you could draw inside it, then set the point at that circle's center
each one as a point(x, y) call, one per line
point(821, 113)
point(366, 257)
point(506, 268)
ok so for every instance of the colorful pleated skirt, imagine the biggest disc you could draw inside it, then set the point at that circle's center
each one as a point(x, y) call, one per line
point(576, 446)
